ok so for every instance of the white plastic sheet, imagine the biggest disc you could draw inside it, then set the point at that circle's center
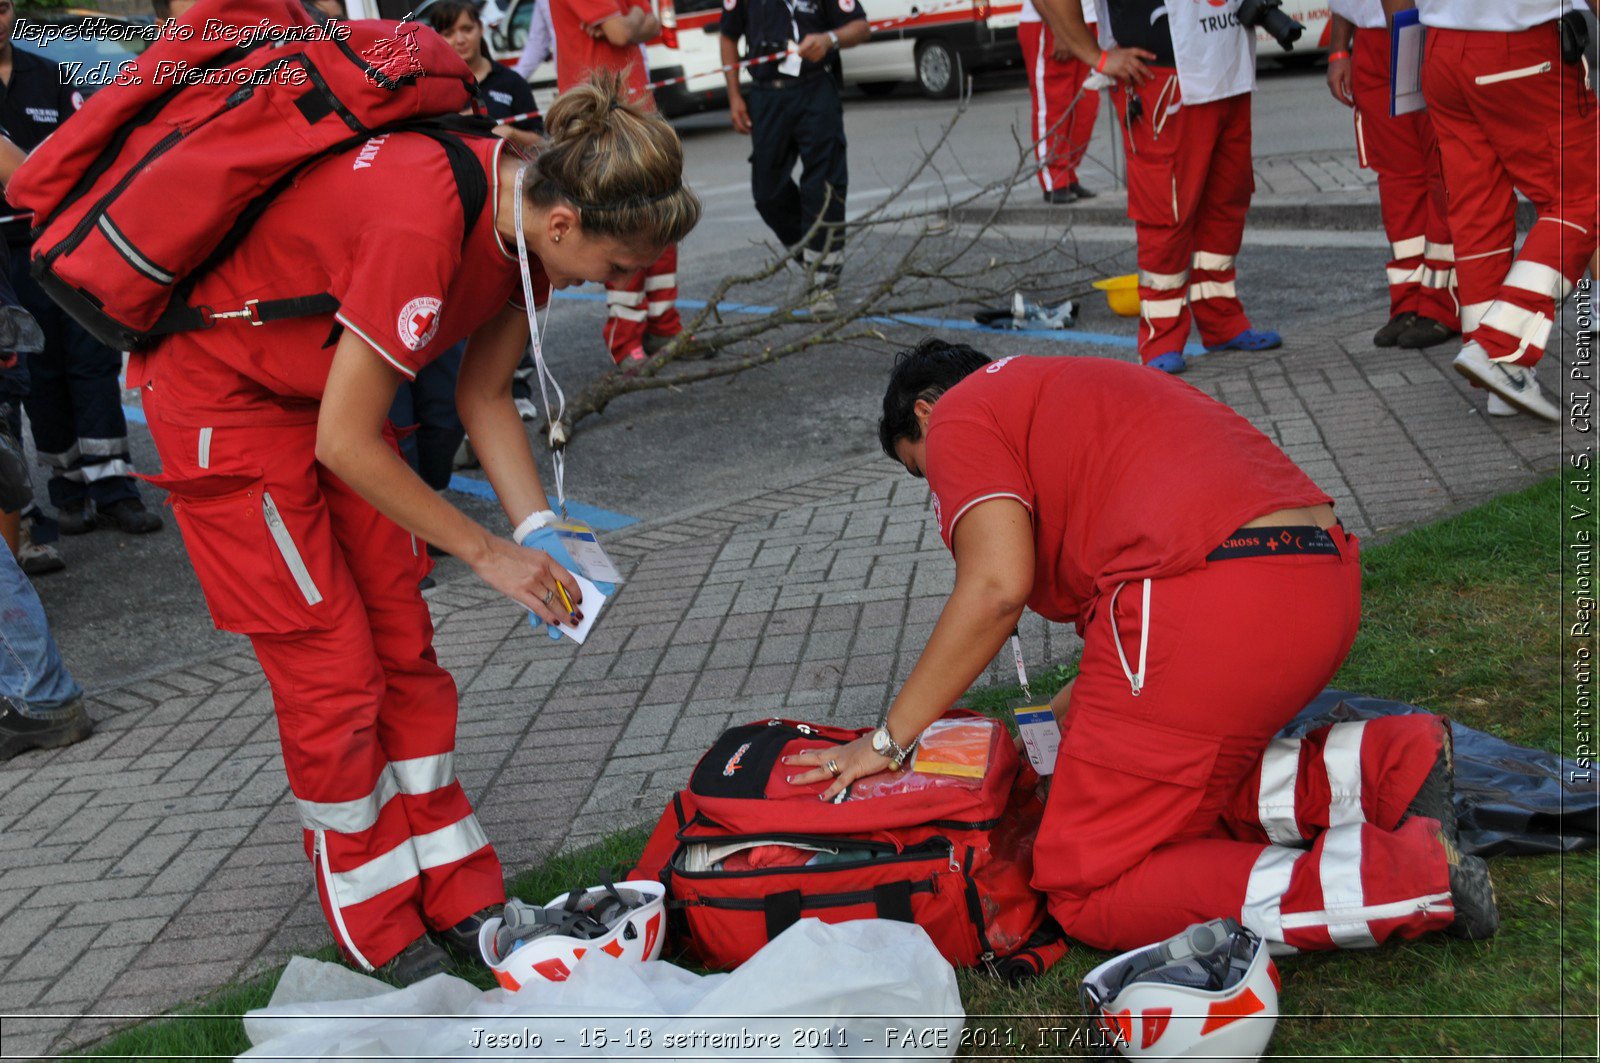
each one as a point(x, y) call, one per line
point(869, 988)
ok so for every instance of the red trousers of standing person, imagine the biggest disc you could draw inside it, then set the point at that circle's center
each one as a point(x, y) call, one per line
point(644, 305)
point(1511, 115)
point(1189, 185)
point(1063, 120)
point(1173, 802)
point(1404, 152)
point(326, 589)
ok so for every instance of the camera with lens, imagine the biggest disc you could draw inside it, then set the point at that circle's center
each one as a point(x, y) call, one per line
point(1265, 14)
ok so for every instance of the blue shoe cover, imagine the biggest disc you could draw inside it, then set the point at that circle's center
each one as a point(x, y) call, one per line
point(1171, 362)
point(1251, 340)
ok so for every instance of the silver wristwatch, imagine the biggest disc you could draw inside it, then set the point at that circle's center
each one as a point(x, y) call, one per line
point(884, 745)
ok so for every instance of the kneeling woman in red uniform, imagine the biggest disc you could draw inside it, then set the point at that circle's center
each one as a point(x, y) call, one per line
point(306, 527)
point(1216, 595)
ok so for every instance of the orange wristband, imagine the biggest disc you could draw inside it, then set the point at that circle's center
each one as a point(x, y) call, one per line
point(1100, 67)
point(1338, 55)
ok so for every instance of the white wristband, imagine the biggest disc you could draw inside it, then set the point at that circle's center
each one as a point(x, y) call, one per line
point(532, 523)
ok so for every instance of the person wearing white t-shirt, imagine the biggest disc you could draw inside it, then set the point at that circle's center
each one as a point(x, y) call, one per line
point(1187, 73)
point(1063, 111)
point(1514, 113)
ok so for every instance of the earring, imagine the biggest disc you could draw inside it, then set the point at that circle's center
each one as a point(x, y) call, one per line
point(556, 238)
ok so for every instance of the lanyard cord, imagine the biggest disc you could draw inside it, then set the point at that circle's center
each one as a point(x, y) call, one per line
point(1022, 672)
point(547, 379)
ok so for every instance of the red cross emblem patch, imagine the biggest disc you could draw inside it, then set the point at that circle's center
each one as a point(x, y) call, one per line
point(419, 321)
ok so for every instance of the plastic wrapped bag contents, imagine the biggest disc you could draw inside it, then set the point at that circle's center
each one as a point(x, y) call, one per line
point(865, 989)
point(1509, 799)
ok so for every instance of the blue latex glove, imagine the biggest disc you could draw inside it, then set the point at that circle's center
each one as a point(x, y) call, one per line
point(550, 542)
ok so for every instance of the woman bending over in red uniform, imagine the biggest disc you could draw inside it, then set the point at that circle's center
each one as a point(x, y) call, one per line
point(307, 529)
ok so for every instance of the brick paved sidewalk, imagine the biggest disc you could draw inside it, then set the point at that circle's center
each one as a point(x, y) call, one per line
point(162, 858)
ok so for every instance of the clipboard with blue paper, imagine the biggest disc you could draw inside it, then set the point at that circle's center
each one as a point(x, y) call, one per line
point(1406, 44)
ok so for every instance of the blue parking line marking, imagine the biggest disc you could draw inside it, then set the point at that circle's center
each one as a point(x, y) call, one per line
point(597, 518)
point(1093, 339)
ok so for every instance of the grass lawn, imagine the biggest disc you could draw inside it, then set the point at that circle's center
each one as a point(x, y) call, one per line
point(1461, 617)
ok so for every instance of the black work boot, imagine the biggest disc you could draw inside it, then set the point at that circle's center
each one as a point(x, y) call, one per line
point(1389, 335)
point(423, 958)
point(128, 515)
point(461, 940)
point(1426, 332)
point(20, 731)
point(1472, 894)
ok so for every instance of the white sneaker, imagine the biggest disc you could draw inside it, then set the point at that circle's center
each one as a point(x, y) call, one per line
point(526, 409)
point(1513, 383)
point(1499, 407)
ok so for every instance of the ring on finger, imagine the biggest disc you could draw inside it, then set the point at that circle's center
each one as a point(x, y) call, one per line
point(549, 595)
point(833, 767)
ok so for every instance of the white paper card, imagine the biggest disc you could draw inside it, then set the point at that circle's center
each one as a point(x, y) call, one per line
point(587, 553)
point(1041, 737)
point(590, 607)
point(790, 67)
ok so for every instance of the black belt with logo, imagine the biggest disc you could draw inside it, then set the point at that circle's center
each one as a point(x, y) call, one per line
point(1274, 542)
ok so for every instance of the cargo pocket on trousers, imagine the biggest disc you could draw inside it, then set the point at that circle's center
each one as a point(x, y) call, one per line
point(1153, 191)
point(250, 565)
point(1131, 779)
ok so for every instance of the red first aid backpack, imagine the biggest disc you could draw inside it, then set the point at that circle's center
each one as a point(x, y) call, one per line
point(955, 858)
point(160, 174)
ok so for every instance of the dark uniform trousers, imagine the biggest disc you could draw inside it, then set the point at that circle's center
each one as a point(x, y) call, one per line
point(801, 119)
point(74, 403)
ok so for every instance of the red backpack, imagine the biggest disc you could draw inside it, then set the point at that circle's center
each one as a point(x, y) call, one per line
point(160, 174)
point(953, 856)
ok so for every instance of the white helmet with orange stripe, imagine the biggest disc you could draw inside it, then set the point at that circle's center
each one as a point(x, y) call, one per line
point(1211, 992)
point(528, 943)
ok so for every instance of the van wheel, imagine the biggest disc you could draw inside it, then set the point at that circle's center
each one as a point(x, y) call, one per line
point(938, 69)
point(878, 88)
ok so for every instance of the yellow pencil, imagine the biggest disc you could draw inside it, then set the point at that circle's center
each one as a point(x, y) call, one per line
point(562, 591)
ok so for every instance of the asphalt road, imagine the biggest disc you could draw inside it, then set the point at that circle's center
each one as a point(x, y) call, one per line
point(128, 606)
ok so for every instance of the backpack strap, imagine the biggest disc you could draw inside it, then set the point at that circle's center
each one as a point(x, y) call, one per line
point(472, 186)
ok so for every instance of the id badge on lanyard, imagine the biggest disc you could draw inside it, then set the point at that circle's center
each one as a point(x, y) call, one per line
point(1041, 736)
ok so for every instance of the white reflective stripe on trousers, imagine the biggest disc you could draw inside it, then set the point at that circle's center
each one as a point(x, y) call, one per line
point(1538, 278)
point(1530, 326)
point(661, 282)
point(1343, 896)
point(1207, 260)
point(353, 816)
point(1410, 247)
point(1164, 282)
point(402, 863)
point(1280, 770)
point(1212, 290)
point(423, 775)
point(1262, 910)
point(1341, 756)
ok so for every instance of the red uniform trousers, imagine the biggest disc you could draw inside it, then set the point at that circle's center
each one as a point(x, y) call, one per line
point(326, 589)
point(1155, 817)
point(1404, 152)
point(1063, 120)
point(1511, 115)
point(646, 303)
point(1189, 185)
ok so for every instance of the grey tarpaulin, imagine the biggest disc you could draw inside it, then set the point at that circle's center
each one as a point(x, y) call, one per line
point(1509, 799)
